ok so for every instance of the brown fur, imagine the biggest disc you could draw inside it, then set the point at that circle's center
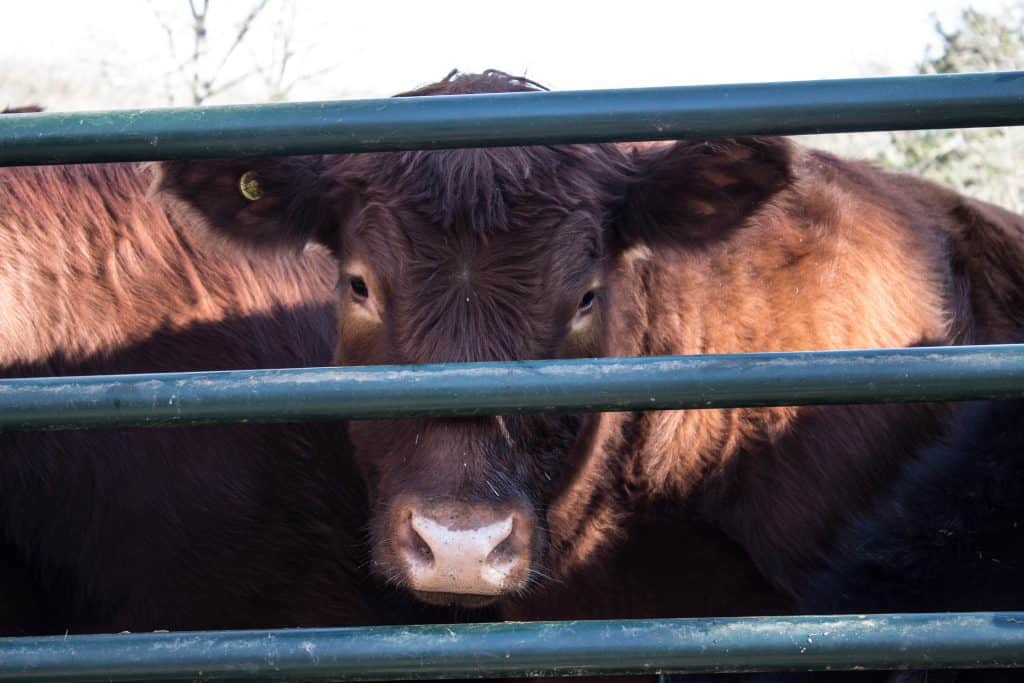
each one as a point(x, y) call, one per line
point(140, 529)
point(734, 245)
point(27, 109)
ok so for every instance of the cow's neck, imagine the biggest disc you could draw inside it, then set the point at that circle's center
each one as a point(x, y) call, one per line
point(779, 479)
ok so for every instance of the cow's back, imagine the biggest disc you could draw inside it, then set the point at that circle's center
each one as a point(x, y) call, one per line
point(89, 264)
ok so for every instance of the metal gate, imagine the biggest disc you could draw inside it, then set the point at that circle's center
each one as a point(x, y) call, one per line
point(766, 379)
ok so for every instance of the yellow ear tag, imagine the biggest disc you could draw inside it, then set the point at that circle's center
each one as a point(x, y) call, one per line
point(250, 186)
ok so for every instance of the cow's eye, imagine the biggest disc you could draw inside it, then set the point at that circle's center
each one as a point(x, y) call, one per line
point(359, 287)
point(586, 303)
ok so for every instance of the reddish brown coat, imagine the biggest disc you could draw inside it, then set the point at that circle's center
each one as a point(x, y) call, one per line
point(139, 529)
point(734, 245)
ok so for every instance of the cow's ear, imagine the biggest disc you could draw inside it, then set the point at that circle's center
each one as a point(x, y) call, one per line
point(698, 191)
point(258, 202)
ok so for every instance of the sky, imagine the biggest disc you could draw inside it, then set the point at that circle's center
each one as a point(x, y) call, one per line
point(110, 53)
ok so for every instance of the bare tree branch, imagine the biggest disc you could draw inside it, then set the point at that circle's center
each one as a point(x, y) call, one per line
point(168, 30)
point(274, 69)
point(309, 76)
point(212, 91)
point(199, 41)
point(243, 31)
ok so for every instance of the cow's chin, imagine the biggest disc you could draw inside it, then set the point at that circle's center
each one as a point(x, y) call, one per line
point(466, 600)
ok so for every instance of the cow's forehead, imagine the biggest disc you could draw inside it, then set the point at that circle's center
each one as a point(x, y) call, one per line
point(490, 191)
point(466, 211)
point(415, 254)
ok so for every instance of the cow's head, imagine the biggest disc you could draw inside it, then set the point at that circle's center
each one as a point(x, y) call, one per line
point(482, 255)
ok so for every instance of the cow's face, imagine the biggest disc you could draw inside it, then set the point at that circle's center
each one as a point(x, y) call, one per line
point(456, 256)
point(479, 255)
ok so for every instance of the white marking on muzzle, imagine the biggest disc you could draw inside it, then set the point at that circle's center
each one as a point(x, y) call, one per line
point(461, 558)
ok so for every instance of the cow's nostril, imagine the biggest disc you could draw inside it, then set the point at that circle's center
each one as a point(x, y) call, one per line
point(410, 546)
point(502, 562)
point(419, 551)
point(504, 552)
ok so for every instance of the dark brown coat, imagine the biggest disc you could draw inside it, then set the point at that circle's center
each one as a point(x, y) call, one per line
point(732, 245)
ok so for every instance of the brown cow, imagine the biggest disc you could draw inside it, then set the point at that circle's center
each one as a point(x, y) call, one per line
point(139, 529)
point(732, 245)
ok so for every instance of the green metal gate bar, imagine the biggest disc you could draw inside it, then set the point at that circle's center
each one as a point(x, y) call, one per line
point(467, 389)
point(921, 641)
point(832, 106)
